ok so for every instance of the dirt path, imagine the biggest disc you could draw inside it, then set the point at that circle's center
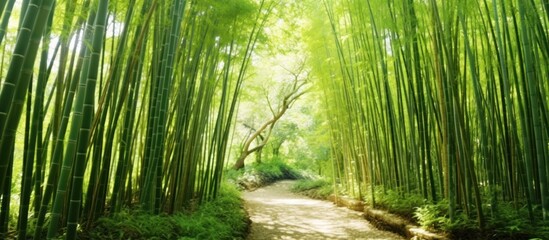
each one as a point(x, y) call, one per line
point(277, 213)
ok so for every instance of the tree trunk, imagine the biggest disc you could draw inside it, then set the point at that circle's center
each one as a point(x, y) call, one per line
point(240, 162)
point(295, 92)
point(258, 155)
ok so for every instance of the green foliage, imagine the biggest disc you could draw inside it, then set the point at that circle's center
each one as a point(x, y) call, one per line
point(230, 9)
point(435, 217)
point(308, 184)
point(222, 218)
point(513, 222)
point(314, 188)
point(260, 174)
point(396, 202)
point(507, 223)
point(239, 12)
point(135, 225)
point(430, 215)
point(274, 170)
point(231, 175)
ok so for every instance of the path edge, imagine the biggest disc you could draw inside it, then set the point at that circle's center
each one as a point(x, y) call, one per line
point(386, 221)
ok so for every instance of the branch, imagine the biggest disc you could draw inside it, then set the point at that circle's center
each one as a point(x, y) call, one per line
point(295, 92)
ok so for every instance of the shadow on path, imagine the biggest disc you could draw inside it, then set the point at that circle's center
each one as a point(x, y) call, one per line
point(277, 213)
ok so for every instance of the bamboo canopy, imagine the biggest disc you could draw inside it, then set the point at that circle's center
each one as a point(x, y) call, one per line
point(109, 105)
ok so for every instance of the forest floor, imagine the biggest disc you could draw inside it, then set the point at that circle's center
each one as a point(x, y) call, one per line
point(277, 213)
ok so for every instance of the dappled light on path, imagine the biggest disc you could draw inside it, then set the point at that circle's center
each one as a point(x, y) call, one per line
point(277, 213)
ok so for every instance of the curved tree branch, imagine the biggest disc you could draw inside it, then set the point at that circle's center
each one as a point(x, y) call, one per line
point(296, 90)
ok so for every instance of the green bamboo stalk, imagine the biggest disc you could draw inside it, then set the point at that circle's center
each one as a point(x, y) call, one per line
point(111, 111)
point(62, 192)
point(152, 180)
point(57, 151)
point(33, 153)
point(87, 117)
point(534, 109)
point(5, 206)
point(18, 78)
point(482, 122)
point(6, 14)
point(133, 74)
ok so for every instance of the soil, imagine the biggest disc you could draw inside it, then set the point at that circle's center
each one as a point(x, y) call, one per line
point(277, 213)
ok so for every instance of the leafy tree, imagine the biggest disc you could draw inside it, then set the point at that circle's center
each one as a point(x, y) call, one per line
point(286, 131)
point(289, 95)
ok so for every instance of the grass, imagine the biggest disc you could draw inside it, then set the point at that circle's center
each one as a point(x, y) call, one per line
point(275, 170)
point(260, 174)
point(507, 223)
point(394, 202)
point(313, 188)
point(222, 218)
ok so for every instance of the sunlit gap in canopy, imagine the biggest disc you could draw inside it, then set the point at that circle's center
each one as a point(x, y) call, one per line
point(114, 29)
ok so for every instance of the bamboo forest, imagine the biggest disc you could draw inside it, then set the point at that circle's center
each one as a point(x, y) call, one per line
point(153, 119)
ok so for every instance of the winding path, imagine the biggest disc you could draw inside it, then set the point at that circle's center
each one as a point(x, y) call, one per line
point(277, 213)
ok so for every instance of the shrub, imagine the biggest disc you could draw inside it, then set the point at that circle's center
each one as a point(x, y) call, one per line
point(395, 202)
point(222, 218)
point(506, 223)
point(432, 216)
point(274, 170)
point(257, 175)
point(134, 225)
point(319, 189)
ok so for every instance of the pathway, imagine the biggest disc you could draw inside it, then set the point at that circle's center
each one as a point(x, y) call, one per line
point(277, 213)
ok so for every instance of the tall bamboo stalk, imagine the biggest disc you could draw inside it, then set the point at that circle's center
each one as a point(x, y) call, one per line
point(149, 124)
point(454, 107)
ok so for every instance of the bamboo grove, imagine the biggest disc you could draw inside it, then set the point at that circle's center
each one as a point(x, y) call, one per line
point(117, 104)
point(445, 99)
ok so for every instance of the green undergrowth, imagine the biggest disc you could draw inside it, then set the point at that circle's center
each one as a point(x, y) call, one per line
point(222, 218)
point(275, 170)
point(313, 188)
point(401, 204)
point(507, 223)
point(260, 174)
